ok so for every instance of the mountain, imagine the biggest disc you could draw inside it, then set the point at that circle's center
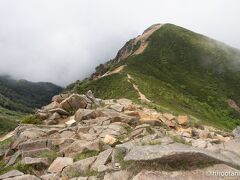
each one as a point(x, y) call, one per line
point(174, 69)
point(18, 97)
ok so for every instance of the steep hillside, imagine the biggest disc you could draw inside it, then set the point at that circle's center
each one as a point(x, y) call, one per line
point(176, 69)
point(20, 96)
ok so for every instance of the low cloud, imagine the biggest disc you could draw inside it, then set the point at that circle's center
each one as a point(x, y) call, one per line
point(64, 40)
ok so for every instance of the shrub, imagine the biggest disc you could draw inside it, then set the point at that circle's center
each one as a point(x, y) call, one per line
point(30, 119)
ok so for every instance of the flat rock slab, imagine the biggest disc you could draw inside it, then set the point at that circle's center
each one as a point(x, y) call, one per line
point(24, 177)
point(59, 163)
point(198, 174)
point(102, 159)
point(11, 174)
point(176, 153)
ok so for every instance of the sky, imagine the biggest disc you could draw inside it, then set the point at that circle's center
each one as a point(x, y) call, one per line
point(61, 41)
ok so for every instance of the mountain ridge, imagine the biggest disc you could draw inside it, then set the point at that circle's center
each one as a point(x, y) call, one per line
point(179, 69)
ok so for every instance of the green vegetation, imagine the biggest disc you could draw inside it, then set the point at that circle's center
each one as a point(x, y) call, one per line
point(6, 143)
point(85, 154)
point(182, 72)
point(18, 97)
point(30, 119)
point(26, 169)
point(51, 155)
point(114, 86)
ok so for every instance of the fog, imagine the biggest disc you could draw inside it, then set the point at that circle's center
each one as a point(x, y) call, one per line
point(61, 41)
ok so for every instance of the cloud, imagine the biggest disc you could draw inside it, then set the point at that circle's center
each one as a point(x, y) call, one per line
point(64, 40)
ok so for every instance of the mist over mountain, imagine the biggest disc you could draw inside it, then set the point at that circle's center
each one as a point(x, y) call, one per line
point(62, 41)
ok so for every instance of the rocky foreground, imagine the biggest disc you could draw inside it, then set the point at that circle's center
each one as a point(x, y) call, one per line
point(85, 138)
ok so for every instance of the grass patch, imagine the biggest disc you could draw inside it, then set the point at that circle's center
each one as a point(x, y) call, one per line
point(6, 143)
point(120, 159)
point(85, 154)
point(51, 155)
point(179, 139)
point(31, 119)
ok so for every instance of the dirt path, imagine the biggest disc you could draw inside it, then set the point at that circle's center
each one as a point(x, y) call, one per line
point(141, 95)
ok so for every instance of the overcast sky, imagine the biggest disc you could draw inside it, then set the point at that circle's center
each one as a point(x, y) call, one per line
point(63, 40)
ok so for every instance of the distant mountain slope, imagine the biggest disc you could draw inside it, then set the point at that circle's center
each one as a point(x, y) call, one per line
point(24, 96)
point(18, 97)
point(175, 69)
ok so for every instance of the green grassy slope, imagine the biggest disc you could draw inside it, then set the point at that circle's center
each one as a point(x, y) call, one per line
point(18, 97)
point(185, 72)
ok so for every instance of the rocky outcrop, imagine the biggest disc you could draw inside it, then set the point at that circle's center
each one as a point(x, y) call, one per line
point(115, 139)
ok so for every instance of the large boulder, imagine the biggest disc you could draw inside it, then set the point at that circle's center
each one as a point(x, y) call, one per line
point(79, 146)
point(173, 153)
point(11, 174)
point(74, 102)
point(84, 114)
point(102, 159)
point(40, 163)
point(59, 163)
point(79, 167)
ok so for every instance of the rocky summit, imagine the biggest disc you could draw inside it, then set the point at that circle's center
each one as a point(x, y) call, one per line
point(85, 138)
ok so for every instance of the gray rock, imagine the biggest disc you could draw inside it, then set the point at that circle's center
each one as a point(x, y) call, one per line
point(52, 176)
point(102, 159)
point(59, 111)
point(74, 102)
point(81, 166)
point(176, 152)
point(13, 158)
point(236, 132)
point(40, 162)
point(59, 163)
point(31, 145)
point(119, 175)
point(24, 177)
point(84, 114)
point(117, 107)
point(79, 145)
point(11, 174)
point(199, 143)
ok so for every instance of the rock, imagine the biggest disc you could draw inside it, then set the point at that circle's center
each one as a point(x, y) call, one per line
point(37, 144)
point(83, 114)
point(119, 175)
point(215, 172)
point(199, 143)
point(169, 116)
point(59, 163)
point(79, 146)
point(32, 134)
point(110, 140)
point(204, 134)
point(67, 134)
point(71, 122)
point(11, 174)
point(39, 162)
point(136, 133)
point(24, 177)
point(236, 132)
point(102, 159)
point(74, 102)
point(52, 176)
point(59, 111)
point(176, 152)
point(13, 158)
point(42, 115)
point(182, 120)
point(53, 119)
point(50, 106)
point(81, 166)
point(59, 98)
point(117, 107)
